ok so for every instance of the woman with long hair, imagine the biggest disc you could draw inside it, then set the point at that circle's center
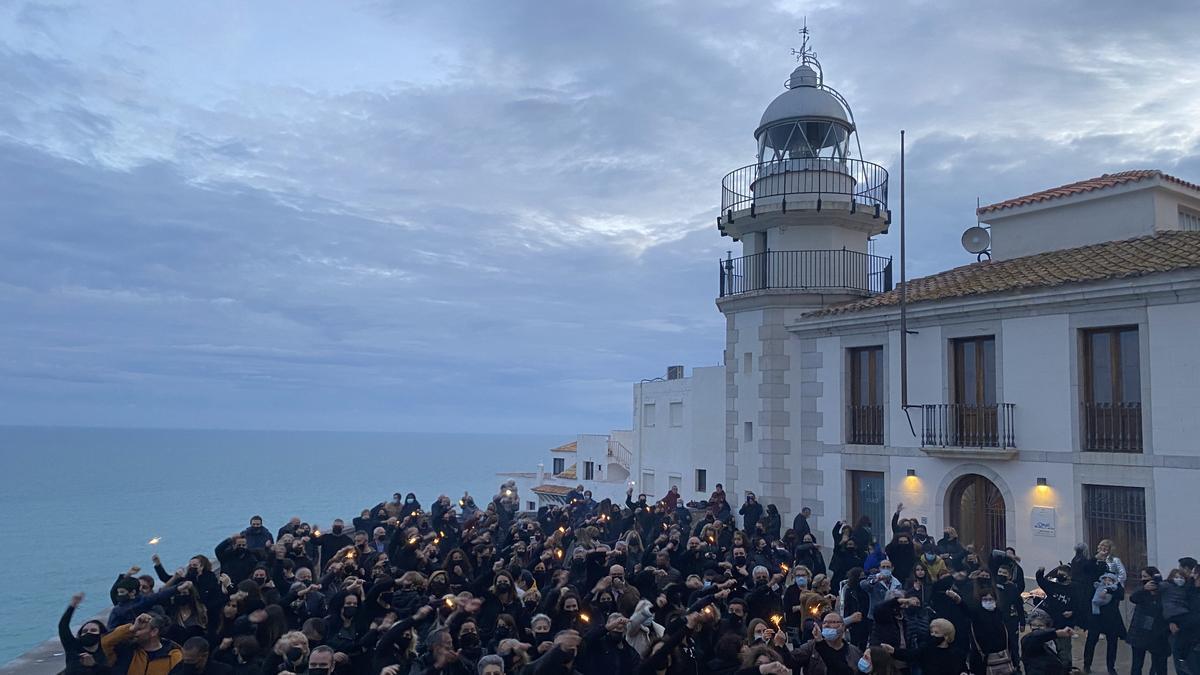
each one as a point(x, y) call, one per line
point(82, 648)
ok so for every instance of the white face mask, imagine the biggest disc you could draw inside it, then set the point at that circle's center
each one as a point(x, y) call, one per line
point(989, 605)
point(1179, 581)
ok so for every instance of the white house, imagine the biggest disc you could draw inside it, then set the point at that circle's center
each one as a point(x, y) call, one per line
point(677, 439)
point(1051, 389)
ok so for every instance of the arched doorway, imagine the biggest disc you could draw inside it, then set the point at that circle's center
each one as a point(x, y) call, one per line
point(976, 510)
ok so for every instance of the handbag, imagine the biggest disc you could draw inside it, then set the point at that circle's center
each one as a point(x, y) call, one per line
point(999, 663)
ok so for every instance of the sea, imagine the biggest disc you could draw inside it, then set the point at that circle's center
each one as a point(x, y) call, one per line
point(79, 505)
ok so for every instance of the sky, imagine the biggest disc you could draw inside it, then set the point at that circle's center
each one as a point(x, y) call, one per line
point(485, 216)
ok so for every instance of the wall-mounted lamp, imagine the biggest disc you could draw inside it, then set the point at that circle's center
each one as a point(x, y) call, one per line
point(912, 473)
point(1041, 482)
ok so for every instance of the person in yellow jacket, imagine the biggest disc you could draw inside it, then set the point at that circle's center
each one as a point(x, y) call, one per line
point(137, 649)
point(933, 564)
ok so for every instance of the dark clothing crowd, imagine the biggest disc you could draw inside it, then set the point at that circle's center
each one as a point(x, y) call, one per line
point(644, 587)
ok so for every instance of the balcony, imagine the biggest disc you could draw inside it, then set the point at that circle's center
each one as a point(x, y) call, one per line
point(860, 182)
point(959, 430)
point(865, 424)
point(1112, 427)
point(816, 271)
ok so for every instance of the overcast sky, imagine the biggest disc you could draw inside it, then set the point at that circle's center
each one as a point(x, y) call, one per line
point(490, 216)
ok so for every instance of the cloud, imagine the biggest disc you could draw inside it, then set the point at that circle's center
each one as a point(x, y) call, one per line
point(389, 215)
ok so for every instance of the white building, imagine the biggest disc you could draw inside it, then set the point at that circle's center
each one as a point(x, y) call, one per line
point(677, 439)
point(1052, 387)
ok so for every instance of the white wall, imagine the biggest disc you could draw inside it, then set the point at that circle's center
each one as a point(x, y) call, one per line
point(697, 443)
point(1119, 214)
point(1035, 355)
point(1173, 366)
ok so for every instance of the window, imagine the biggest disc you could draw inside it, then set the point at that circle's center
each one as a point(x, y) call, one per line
point(676, 413)
point(1112, 390)
point(673, 480)
point(748, 432)
point(866, 498)
point(1119, 514)
point(865, 410)
point(647, 484)
point(589, 470)
point(748, 362)
point(648, 415)
point(560, 465)
point(972, 417)
point(701, 480)
point(1189, 220)
point(530, 506)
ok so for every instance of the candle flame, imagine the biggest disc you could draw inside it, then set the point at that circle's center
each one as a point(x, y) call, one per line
point(777, 619)
point(449, 602)
point(785, 568)
point(154, 541)
point(316, 533)
point(585, 618)
point(558, 552)
point(412, 540)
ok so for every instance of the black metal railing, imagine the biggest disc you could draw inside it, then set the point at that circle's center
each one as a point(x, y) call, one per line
point(1112, 427)
point(865, 182)
point(954, 425)
point(866, 424)
point(841, 271)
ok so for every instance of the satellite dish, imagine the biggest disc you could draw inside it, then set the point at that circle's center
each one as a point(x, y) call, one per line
point(976, 240)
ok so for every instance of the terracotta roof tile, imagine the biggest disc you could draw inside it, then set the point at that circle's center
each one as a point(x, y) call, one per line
point(569, 473)
point(1164, 252)
point(1099, 183)
point(548, 489)
point(566, 447)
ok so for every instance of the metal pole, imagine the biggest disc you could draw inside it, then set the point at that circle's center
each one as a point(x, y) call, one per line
point(903, 292)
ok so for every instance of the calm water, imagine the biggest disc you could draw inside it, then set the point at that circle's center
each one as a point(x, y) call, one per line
point(78, 506)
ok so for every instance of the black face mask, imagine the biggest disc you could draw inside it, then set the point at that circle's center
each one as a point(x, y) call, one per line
point(539, 638)
point(337, 529)
point(502, 632)
point(469, 640)
point(503, 587)
point(319, 670)
point(89, 639)
point(294, 654)
point(350, 611)
point(739, 560)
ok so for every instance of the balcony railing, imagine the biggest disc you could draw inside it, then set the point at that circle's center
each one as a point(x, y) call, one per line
point(617, 452)
point(829, 271)
point(1112, 427)
point(862, 182)
point(953, 425)
point(866, 424)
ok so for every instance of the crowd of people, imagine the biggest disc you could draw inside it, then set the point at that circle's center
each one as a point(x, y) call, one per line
point(647, 587)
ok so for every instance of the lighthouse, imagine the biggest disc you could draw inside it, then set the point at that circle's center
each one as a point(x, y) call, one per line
point(804, 213)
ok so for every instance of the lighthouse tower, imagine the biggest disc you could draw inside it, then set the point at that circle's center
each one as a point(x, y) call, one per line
point(804, 213)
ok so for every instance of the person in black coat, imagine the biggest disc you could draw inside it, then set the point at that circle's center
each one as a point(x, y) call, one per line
point(1148, 630)
point(82, 649)
point(751, 511)
point(237, 559)
point(196, 660)
point(1039, 651)
point(1105, 619)
point(800, 524)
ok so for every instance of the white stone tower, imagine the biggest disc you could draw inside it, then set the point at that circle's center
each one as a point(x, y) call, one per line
point(804, 213)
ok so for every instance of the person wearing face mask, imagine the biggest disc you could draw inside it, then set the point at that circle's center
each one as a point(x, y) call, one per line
point(930, 561)
point(329, 543)
point(1106, 620)
point(236, 558)
point(937, 655)
point(500, 598)
point(290, 654)
point(607, 651)
point(846, 555)
point(642, 631)
point(808, 554)
point(879, 584)
point(258, 538)
point(196, 661)
point(828, 652)
point(343, 631)
point(1148, 627)
point(82, 649)
point(877, 661)
point(1012, 609)
point(990, 648)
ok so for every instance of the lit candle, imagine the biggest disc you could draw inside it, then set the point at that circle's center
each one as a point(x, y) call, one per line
point(585, 618)
point(777, 619)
